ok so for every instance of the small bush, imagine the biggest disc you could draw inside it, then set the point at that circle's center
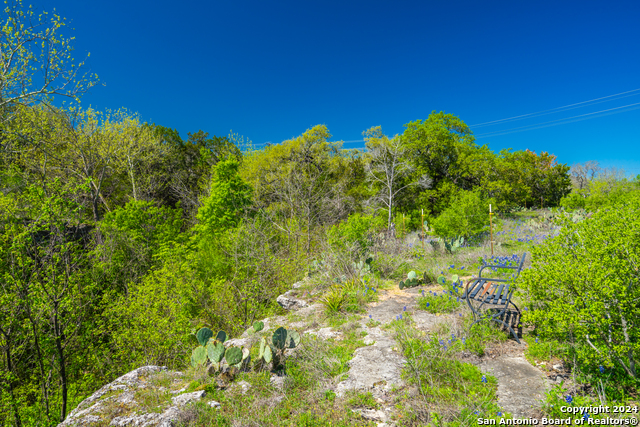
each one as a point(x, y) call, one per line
point(467, 216)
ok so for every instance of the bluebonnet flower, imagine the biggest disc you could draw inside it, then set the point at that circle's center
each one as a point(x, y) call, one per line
point(499, 413)
point(405, 308)
point(427, 304)
point(401, 317)
point(462, 268)
point(460, 314)
point(536, 340)
point(585, 415)
point(601, 368)
point(370, 317)
point(464, 340)
point(568, 399)
point(423, 292)
point(526, 309)
point(484, 379)
point(476, 412)
point(441, 342)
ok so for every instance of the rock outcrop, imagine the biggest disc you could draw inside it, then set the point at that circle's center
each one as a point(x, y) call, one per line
point(119, 402)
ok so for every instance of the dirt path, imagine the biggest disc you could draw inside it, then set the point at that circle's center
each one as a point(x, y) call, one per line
point(377, 367)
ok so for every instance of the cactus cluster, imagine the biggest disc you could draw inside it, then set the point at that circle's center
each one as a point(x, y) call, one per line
point(453, 244)
point(213, 350)
point(414, 280)
point(362, 267)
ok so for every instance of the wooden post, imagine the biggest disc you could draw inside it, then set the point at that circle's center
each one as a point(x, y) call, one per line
point(422, 223)
point(491, 229)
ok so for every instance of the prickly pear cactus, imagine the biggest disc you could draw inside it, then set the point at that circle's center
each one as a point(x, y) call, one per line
point(199, 356)
point(233, 355)
point(203, 336)
point(221, 336)
point(280, 338)
point(293, 339)
point(215, 351)
point(268, 354)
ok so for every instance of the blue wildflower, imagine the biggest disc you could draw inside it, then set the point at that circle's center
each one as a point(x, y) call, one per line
point(601, 368)
point(568, 399)
point(484, 379)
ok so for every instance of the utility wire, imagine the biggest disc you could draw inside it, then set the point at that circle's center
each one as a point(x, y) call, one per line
point(564, 121)
point(563, 108)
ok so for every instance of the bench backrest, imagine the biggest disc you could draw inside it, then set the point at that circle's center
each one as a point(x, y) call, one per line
point(518, 268)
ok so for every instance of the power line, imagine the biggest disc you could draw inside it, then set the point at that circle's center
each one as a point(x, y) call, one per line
point(564, 121)
point(563, 108)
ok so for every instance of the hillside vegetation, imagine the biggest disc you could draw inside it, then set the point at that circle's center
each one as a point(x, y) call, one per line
point(119, 240)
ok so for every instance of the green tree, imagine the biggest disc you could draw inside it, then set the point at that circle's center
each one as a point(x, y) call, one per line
point(36, 60)
point(468, 215)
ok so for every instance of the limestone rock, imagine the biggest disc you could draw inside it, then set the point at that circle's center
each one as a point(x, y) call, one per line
point(120, 394)
point(290, 303)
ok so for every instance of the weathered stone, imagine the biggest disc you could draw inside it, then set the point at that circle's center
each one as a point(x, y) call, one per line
point(183, 399)
point(375, 368)
point(325, 333)
point(290, 303)
point(520, 385)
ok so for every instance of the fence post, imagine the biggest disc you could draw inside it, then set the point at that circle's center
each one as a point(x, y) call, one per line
point(491, 228)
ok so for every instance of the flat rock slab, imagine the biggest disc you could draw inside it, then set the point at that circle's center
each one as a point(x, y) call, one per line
point(391, 304)
point(375, 368)
point(521, 386)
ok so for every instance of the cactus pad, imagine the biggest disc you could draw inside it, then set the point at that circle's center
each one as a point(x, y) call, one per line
point(454, 278)
point(258, 326)
point(215, 351)
point(280, 338)
point(442, 280)
point(203, 336)
point(199, 355)
point(268, 355)
point(233, 355)
point(293, 339)
point(412, 275)
point(221, 336)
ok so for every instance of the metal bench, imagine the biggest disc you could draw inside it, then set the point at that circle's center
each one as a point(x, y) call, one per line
point(494, 296)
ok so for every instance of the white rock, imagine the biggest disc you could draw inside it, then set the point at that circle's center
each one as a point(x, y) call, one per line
point(183, 399)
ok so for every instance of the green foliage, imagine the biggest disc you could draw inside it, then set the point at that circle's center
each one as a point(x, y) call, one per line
point(439, 303)
point(467, 216)
point(349, 297)
point(357, 231)
point(258, 326)
point(228, 197)
point(582, 288)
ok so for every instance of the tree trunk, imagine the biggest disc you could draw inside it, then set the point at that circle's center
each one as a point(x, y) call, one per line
point(62, 363)
point(14, 406)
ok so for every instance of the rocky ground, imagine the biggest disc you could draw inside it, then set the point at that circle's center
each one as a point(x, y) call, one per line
point(376, 367)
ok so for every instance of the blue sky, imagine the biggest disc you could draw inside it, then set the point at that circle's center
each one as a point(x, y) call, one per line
point(271, 71)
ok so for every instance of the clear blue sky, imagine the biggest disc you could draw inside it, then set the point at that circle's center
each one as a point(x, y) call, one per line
point(270, 71)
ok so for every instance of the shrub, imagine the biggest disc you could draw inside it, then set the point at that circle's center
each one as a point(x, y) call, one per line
point(357, 231)
point(467, 216)
point(583, 288)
